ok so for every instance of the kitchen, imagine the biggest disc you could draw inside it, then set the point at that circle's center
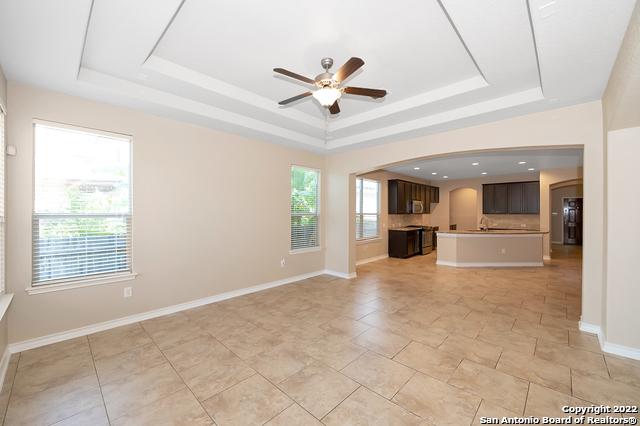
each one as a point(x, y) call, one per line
point(489, 209)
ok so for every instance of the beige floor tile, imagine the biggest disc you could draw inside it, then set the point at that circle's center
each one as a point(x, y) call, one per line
point(382, 342)
point(131, 393)
point(624, 370)
point(534, 369)
point(334, 351)
point(95, 416)
point(251, 340)
point(552, 334)
point(493, 386)
point(558, 322)
point(599, 390)
point(180, 408)
point(253, 401)
point(172, 330)
point(432, 362)
point(456, 325)
point(519, 313)
point(55, 403)
point(378, 373)
point(385, 305)
point(364, 407)
point(318, 389)
point(542, 401)
point(508, 340)
point(119, 366)
point(585, 341)
point(281, 362)
point(472, 349)
point(492, 411)
point(7, 385)
point(118, 340)
point(572, 358)
point(345, 327)
point(294, 416)
point(55, 351)
point(437, 401)
point(214, 375)
point(195, 351)
point(51, 372)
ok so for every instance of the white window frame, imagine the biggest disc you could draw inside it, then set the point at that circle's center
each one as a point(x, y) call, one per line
point(318, 211)
point(363, 213)
point(87, 280)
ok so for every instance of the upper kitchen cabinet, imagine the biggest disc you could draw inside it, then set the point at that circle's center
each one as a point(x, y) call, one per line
point(402, 193)
point(512, 198)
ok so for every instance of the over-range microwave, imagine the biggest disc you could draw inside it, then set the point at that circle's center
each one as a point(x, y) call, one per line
point(417, 207)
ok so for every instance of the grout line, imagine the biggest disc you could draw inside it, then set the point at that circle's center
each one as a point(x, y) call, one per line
point(524, 410)
point(338, 404)
point(95, 370)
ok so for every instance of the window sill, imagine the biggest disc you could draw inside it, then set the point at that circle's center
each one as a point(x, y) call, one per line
point(305, 250)
point(88, 282)
point(369, 240)
point(5, 302)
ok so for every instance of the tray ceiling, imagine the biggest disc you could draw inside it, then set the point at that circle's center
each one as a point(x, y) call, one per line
point(445, 64)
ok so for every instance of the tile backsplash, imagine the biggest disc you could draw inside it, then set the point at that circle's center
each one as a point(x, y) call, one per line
point(514, 221)
point(401, 220)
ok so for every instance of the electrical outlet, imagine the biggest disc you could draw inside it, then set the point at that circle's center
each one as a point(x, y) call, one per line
point(503, 251)
point(282, 262)
point(127, 292)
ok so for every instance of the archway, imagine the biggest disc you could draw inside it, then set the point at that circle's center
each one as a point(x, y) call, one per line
point(463, 205)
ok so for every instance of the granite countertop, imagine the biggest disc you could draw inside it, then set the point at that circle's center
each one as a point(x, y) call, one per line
point(496, 231)
point(405, 229)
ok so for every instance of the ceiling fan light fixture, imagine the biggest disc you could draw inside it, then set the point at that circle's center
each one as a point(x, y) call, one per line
point(327, 96)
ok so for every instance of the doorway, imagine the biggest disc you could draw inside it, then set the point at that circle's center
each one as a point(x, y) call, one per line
point(572, 221)
point(463, 210)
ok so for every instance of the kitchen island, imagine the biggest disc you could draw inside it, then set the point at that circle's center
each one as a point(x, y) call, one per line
point(493, 248)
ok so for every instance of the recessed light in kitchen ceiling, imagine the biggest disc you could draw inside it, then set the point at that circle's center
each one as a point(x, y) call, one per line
point(445, 177)
point(483, 173)
point(416, 168)
point(475, 164)
point(522, 162)
point(531, 169)
point(434, 173)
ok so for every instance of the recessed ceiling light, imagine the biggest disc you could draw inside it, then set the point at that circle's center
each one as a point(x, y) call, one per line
point(445, 177)
point(522, 162)
point(483, 173)
point(416, 168)
point(531, 169)
point(434, 173)
point(475, 164)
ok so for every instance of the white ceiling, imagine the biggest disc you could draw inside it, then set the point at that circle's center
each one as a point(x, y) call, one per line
point(445, 63)
point(496, 163)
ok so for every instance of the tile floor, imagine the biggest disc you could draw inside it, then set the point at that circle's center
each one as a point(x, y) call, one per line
point(406, 342)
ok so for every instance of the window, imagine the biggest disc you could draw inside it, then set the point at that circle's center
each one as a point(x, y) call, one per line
point(305, 208)
point(367, 209)
point(82, 204)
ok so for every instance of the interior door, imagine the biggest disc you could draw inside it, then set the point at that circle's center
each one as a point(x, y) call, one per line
point(572, 213)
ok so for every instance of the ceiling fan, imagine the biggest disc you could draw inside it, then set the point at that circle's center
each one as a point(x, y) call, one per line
point(328, 89)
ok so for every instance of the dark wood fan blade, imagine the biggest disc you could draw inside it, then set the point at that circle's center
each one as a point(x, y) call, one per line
point(293, 75)
point(347, 69)
point(334, 109)
point(295, 98)
point(363, 91)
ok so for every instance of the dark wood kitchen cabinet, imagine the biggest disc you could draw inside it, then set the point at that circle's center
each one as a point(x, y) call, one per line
point(401, 194)
point(511, 197)
point(404, 243)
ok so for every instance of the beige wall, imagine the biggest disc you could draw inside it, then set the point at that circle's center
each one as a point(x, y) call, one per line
point(551, 177)
point(3, 89)
point(380, 246)
point(557, 210)
point(441, 214)
point(4, 321)
point(463, 208)
point(210, 214)
point(623, 278)
point(571, 126)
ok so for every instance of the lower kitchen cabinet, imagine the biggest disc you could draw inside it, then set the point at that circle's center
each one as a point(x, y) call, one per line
point(404, 243)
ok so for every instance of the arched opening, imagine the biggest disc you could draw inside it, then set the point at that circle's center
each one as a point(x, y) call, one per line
point(463, 205)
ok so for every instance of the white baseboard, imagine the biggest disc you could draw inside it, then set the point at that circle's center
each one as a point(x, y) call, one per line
point(4, 366)
point(489, 264)
point(546, 258)
point(106, 325)
point(346, 276)
point(556, 242)
point(371, 259)
point(608, 347)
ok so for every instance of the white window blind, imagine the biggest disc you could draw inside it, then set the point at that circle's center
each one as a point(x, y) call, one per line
point(367, 209)
point(305, 208)
point(82, 204)
point(2, 219)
